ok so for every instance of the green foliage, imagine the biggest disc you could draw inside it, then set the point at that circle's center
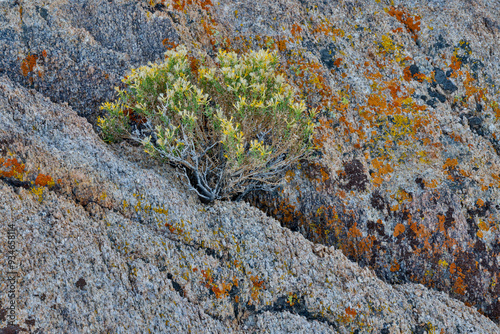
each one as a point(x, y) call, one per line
point(231, 128)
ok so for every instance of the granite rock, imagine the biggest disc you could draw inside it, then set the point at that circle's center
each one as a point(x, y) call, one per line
point(106, 241)
point(405, 183)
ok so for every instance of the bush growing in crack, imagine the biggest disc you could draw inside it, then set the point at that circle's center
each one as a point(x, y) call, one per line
point(229, 129)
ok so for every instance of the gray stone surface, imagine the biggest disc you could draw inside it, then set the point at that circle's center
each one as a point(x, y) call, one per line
point(89, 46)
point(414, 199)
point(99, 252)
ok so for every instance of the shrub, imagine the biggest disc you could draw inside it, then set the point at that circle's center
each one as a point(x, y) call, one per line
point(230, 129)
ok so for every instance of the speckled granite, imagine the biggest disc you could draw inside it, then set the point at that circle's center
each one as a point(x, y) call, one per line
point(406, 180)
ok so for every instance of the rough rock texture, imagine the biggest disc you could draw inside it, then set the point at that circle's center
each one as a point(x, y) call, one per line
point(406, 182)
point(76, 51)
point(117, 245)
point(409, 178)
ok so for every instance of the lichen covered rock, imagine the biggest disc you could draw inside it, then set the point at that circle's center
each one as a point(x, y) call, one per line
point(114, 244)
point(406, 182)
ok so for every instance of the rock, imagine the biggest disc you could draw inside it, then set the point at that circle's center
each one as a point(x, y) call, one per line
point(77, 52)
point(446, 84)
point(437, 95)
point(158, 259)
point(398, 187)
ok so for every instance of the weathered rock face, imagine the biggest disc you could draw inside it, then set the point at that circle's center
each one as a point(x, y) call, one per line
point(108, 243)
point(406, 183)
point(77, 51)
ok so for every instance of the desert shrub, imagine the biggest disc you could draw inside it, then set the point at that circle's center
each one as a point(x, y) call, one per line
point(230, 128)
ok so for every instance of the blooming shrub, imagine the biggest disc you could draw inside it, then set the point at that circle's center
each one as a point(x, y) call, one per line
point(230, 129)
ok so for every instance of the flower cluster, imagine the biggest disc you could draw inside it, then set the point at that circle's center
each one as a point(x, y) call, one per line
point(229, 127)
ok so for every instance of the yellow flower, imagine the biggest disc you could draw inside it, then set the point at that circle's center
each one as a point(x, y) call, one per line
point(101, 121)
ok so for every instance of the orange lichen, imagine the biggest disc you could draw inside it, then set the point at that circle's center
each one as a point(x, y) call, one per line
point(382, 169)
point(432, 184)
point(169, 44)
point(455, 63)
point(395, 266)
point(324, 175)
point(459, 286)
point(456, 137)
point(180, 4)
point(441, 219)
point(221, 290)
point(296, 30)
point(354, 231)
point(28, 64)
point(281, 45)
point(257, 285)
point(496, 110)
point(17, 169)
point(407, 75)
point(451, 163)
point(289, 176)
point(388, 99)
point(351, 312)
point(471, 89)
point(44, 180)
point(411, 23)
point(483, 226)
point(400, 228)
